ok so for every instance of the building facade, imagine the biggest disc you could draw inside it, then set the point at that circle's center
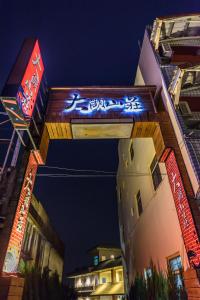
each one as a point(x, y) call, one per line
point(152, 212)
point(157, 122)
point(42, 247)
point(104, 279)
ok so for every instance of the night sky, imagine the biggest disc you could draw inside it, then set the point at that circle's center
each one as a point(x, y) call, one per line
point(83, 42)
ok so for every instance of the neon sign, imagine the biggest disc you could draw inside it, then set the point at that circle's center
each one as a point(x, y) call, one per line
point(127, 104)
point(19, 225)
point(28, 90)
point(190, 237)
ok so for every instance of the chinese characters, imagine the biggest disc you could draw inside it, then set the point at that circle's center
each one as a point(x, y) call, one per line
point(25, 205)
point(187, 225)
point(127, 104)
point(177, 189)
point(15, 242)
point(28, 90)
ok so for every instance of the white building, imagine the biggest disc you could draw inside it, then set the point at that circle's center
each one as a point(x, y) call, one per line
point(149, 224)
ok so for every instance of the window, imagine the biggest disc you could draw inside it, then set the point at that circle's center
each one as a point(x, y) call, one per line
point(96, 260)
point(132, 211)
point(175, 267)
point(103, 257)
point(38, 253)
point(133, 207)
point(32, 241)
point(155, 172)
point(131, 151)
point(103, 280)
point(27, 237)
point(120, 194)
point(119, 276)
point(139, 203)
point(42, 249)
point(147, 273)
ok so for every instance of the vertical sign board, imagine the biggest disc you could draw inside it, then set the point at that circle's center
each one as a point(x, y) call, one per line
point(20, 109)
point(20, 106)
point(18, 229)
point(30, 84)
point(187, 225)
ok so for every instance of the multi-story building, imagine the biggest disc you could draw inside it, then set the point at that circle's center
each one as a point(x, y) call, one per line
point(42, 246)
point(149, 197)
point(157, 122)
point(104, 280)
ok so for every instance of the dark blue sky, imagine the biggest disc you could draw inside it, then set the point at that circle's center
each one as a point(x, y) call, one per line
point(83, 42)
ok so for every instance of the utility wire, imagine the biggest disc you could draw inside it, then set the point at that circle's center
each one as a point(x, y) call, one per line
point(73, 175)
point(53, 175)
point(79, 170)
point(6, 121)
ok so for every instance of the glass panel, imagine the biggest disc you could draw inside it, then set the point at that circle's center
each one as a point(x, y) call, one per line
point(156, 174)
point(175, 264)
point(139, 203)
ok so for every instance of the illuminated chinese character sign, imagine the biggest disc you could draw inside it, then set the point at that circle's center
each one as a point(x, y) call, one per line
point(28, 90)
point(187, 225)
point(19, 225)
point(87, 106)
point(99, 104)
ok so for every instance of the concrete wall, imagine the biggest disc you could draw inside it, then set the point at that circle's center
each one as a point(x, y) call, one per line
point(155, 234)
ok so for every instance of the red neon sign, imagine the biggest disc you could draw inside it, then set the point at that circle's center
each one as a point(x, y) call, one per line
point(19, 225)
point(187, 225)
point(28, 90)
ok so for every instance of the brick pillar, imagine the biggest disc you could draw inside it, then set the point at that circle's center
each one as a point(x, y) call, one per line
point(192, 284)
point(11, 288)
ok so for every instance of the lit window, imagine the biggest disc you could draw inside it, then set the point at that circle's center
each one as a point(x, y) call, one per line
point(131, 151)
point(119, 276)
point(139, 203)
point(103, 257)
point(175, 267)
point(87, 281)
point(103, 280)
point(78, 283)
point(155, 172)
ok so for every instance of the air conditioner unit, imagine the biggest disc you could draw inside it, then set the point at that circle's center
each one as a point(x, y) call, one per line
point(167, 50)
point(185, 109)
point(189, 80)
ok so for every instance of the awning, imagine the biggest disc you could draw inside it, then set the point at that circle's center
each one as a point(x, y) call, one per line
point(109, 289)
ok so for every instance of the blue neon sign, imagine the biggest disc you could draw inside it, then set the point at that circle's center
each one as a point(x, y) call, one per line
point(126, 104)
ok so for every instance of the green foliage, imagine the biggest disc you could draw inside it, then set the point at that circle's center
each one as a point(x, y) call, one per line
point(158, 286)
point(42, 286)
